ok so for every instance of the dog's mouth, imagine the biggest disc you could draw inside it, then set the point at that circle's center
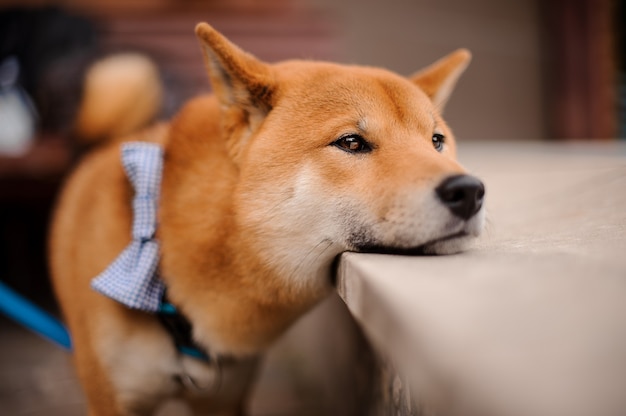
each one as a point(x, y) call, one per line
point(421, 250)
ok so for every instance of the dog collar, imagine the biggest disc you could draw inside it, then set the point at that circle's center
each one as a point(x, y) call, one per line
point(180, 329)
point(133, 279)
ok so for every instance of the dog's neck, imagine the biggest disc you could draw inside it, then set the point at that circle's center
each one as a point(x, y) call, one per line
point(243, 304)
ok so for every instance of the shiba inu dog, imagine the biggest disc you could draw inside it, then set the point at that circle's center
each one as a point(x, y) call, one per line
point(264, 184)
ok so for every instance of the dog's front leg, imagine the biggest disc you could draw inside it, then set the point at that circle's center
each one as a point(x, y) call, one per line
point(228, 394)
point(98, 389)
point(126, 361)
point(104, 400)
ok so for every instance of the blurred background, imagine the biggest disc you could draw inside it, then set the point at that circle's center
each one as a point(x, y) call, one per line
point(542, 70)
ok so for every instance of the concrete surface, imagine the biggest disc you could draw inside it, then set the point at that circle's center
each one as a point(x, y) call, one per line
point(532, 320)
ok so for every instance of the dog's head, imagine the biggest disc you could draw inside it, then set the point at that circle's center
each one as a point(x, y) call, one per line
point(334, 158)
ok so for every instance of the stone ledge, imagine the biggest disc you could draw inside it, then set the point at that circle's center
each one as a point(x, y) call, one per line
point(532, 321)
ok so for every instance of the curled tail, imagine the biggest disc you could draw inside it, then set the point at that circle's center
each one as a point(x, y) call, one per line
point(122, 93)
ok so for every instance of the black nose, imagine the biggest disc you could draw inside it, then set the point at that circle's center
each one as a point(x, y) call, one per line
point(462, 194)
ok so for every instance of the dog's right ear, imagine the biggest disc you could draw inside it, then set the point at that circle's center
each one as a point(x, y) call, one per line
point(244, 85)
point(438, 79)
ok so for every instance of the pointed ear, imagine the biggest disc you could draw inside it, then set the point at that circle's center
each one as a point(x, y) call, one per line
point(239, 80)
point(438, 80)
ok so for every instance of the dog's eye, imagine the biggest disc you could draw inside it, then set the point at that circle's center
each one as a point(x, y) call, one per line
point(438, 140)
point(353, 143)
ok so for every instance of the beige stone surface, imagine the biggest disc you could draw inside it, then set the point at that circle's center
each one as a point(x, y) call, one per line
point(532, 320)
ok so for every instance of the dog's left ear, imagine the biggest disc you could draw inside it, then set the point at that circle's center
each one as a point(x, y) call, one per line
point(243, 84)
point(438, 79)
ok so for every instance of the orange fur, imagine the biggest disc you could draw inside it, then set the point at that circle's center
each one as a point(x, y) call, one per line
point(256, 202)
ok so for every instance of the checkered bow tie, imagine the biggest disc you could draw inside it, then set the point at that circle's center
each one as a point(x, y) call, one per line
point(132, 279)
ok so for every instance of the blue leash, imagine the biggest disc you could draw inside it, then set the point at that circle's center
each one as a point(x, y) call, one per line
point(37, 320)
point(18, 308)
